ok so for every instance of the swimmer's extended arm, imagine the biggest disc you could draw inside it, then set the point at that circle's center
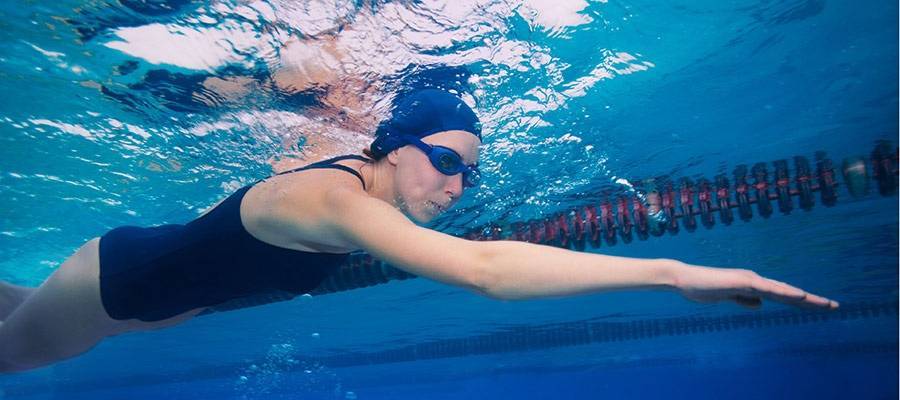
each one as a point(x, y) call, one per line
point(387, 234)
point(518, 270)
point(550, 271)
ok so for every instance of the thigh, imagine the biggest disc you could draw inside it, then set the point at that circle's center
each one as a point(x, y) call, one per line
point(63, 317)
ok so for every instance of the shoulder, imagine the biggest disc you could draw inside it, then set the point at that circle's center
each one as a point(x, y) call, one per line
point(310, 185)
point(297, 208)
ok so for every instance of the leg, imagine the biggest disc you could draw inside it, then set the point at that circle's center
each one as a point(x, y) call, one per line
point(61, 319)
point(11, 296)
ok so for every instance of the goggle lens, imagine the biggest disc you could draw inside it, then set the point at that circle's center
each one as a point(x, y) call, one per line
point(447, 161)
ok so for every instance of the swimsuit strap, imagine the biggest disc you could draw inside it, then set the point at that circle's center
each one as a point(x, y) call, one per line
point(329, 163)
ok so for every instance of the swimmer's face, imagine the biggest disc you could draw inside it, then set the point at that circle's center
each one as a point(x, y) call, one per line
point(423, 192)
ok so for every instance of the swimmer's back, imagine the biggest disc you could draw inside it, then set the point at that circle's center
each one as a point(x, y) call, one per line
point(238, 249)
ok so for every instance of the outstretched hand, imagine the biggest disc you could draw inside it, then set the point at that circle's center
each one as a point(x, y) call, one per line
point(745, 287)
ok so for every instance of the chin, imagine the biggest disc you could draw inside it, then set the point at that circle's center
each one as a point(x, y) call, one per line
point(425, 216)
point(420, 216)
point(424, 219)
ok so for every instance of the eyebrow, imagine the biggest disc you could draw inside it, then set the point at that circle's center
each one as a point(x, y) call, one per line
point(463, 157)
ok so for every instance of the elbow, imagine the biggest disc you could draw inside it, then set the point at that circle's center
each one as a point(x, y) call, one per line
point(489, 291)
point(496, 292)
point(485, 278)
point(484, 283)
point(488, 279)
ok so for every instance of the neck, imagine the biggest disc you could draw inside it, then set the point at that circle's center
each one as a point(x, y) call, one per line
point(379, 181)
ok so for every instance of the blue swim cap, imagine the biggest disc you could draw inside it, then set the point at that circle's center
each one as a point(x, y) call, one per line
point(422, 113)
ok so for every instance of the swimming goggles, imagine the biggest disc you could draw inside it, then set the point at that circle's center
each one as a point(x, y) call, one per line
point(447, 161)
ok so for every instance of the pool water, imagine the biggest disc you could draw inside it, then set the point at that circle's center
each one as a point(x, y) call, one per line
point(143, 112)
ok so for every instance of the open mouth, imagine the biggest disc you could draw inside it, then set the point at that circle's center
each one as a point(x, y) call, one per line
point(437, 206)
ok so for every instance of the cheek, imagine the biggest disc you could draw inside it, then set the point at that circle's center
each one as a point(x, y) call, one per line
point(418, 185)
point(421, 177)
point(409, 184)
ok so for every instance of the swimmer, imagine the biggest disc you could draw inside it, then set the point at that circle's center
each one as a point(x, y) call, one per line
point(288, 231)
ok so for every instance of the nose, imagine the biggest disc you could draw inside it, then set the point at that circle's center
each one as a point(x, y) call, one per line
point(455, 187)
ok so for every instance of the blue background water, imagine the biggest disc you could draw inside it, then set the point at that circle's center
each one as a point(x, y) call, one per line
point(577, 99)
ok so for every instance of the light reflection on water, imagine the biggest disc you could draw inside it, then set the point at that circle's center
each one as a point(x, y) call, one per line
point(200, 91)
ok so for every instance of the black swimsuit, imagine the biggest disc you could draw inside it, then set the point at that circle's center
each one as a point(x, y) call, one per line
point(159, 272)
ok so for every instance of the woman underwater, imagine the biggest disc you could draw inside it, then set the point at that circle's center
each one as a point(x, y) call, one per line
point(287, 231)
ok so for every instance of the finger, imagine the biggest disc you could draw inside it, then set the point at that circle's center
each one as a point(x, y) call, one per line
point(780, 291)
point(783, 292)
point(772, 290)
point(788, 290)
point(820, 302)
point(809, 299)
